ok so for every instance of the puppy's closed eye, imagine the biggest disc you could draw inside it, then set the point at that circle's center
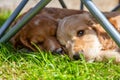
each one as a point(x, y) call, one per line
point(80, 33)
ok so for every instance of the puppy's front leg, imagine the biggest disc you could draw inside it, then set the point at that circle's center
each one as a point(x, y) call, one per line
point(106, 55)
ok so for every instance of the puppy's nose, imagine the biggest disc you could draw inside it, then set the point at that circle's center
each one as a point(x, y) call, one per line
point(58, 51)
point(76, 56)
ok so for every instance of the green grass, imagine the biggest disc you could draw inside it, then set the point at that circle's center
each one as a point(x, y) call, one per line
point(18, 65)
point(3, 16)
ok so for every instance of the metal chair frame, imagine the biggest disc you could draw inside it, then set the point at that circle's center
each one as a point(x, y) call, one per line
point(5, 37)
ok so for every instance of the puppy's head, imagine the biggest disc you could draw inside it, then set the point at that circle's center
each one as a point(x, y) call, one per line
point(41, 31)
point(78, 36)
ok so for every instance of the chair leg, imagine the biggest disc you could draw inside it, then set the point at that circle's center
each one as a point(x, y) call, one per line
point(103, 21)
point(116, 8)
point(62, 4)
point(24, 20)
point(6, 25)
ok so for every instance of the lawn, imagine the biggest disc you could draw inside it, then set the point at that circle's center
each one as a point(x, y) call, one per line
point(20, 65)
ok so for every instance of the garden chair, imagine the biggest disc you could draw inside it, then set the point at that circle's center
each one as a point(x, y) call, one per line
point(41, 4)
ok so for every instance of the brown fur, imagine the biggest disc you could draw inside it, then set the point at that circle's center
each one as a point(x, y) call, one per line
point(41, 30)
point(107, 42)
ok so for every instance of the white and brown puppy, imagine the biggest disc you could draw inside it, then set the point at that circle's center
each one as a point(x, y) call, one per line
point(82, 34)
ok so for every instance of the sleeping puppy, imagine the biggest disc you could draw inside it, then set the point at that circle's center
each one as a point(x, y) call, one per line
point(41, 30)
point(81, 34)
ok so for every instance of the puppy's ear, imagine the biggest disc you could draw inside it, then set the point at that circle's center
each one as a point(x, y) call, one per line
point(26, 42)
point(104, 38)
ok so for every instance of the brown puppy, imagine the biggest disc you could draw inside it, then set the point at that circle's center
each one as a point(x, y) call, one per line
point(82, 34)
point(41, 30)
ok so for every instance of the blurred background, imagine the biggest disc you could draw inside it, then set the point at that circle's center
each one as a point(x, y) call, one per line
point(103, 5)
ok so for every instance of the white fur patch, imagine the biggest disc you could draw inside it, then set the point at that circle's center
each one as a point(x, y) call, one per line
point(36, 22)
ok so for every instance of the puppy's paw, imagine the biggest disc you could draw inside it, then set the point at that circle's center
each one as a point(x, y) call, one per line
point(107, 55)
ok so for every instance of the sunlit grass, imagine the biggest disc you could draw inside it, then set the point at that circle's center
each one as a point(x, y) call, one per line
point(42, 65)
point(17, 65)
